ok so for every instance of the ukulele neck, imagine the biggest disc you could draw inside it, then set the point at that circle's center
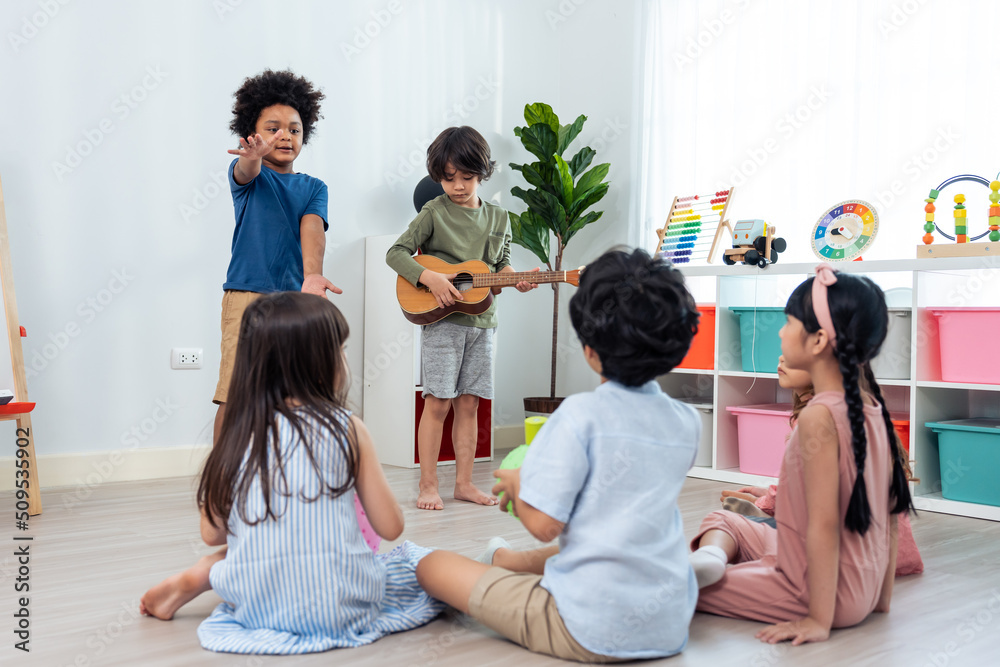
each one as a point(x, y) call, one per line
point(512, 278)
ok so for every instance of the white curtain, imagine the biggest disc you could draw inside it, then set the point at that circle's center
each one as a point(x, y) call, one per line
point(802, 105)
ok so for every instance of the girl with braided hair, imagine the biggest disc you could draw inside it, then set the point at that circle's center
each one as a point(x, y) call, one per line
point(831, 561)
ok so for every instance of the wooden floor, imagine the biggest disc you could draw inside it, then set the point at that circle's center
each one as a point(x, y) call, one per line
point(93, 557)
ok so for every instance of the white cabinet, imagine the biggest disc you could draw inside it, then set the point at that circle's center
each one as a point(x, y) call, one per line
point(924, 283)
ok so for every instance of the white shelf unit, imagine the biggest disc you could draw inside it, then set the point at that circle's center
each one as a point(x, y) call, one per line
point(392, 364)
point(924, 395)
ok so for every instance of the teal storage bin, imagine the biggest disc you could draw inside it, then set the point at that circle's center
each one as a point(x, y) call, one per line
point(970, 459)
point(760, 345)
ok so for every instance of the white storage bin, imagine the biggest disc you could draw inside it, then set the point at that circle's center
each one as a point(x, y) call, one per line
point(893, 362)
point(704, 408)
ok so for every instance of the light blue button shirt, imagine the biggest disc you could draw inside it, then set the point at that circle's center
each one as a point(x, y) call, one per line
point(610, 464)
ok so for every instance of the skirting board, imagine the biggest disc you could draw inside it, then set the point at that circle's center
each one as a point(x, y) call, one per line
point(82, 472)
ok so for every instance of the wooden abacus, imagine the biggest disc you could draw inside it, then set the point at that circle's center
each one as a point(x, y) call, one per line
point(690, 220)
point(964, 246)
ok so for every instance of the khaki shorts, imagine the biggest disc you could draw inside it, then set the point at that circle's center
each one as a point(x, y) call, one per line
point(233, 304)
point(515, 605)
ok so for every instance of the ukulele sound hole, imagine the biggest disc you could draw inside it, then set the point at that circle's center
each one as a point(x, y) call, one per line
point(462, 282)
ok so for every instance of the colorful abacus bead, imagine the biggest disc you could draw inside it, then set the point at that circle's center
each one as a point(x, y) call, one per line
point(994, 211)
point(929, 217)
point(961, 231)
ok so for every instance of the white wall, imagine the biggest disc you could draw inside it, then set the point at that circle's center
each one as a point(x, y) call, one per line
point(126, 247)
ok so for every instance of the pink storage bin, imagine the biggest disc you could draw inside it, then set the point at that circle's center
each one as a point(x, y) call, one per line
point(965, 335)
point(763, 432)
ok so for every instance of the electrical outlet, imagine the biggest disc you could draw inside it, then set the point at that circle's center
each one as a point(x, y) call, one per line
point(184, 358)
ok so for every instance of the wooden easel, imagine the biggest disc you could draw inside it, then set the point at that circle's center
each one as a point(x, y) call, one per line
point(20, 402)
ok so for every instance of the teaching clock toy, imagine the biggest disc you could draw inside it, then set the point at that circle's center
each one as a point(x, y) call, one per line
point(845, 231)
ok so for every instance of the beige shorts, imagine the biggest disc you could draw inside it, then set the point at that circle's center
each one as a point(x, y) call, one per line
point(515, 605)
point(233, 304)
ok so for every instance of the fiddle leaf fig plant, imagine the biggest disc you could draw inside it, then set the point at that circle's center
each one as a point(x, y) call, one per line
point(562, 192)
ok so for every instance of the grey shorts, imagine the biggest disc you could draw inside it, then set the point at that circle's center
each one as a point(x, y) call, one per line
point(456, 360)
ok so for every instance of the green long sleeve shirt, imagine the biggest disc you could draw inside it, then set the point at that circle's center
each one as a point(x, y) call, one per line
point(455, 234)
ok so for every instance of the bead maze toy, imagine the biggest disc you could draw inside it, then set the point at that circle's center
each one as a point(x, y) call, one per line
point(689, 222)
point(845, 231)
point(754, 242)
point(964, 245)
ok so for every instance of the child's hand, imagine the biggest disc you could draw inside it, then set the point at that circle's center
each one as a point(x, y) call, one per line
point(800, 631)
point(509, 485)
point(255, 147)
point(440, 285)
point(316, 284)
point(741, 494)
point(525, 286)
point(755, 491)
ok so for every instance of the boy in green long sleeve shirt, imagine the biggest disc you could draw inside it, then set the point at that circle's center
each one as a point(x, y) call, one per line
point(456, 359)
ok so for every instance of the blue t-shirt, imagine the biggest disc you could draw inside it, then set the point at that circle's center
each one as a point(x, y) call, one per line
point(267, 246)
point(610, 464)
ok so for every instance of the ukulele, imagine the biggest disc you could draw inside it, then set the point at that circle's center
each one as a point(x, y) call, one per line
point(474, 280)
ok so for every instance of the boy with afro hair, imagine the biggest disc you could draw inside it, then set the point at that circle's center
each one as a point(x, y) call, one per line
point(281, 215)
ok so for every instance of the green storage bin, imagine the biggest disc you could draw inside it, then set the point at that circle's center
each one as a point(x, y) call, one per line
point(760, 345)
point(970, 459)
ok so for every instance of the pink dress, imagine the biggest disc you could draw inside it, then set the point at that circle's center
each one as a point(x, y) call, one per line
point(768, 581)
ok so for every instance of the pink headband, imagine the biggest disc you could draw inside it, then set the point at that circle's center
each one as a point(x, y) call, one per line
point(825, 276)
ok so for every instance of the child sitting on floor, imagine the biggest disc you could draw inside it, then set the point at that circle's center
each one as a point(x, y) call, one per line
point(757, 503)
point(602, 475)
point(296, 575)
point(830, 563)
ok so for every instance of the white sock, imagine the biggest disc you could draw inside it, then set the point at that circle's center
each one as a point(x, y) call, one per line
point(709, 563)
point(491, 548)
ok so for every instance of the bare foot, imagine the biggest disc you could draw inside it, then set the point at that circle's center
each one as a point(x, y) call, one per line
point(470, 493)
point(429, 498)
point(164, 599)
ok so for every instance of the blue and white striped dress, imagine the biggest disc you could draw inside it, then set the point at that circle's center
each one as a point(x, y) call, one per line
point(308, 582)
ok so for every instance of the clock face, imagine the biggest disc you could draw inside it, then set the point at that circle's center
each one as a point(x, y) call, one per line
point(845, 231)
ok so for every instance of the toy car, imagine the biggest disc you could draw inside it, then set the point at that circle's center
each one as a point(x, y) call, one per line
point(754, 243)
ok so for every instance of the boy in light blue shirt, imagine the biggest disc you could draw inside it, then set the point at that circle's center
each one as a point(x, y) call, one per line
point(603, 475)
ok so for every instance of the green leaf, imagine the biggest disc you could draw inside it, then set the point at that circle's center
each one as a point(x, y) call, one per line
point(539, 112)
point(546, 208)
point(567, 133)
point(533, 174)
point(581, 160)
point(566, 182)
point(540, 141)
point(586, 200)
point(528, 233)
point(593, 216)
point(592, 178)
